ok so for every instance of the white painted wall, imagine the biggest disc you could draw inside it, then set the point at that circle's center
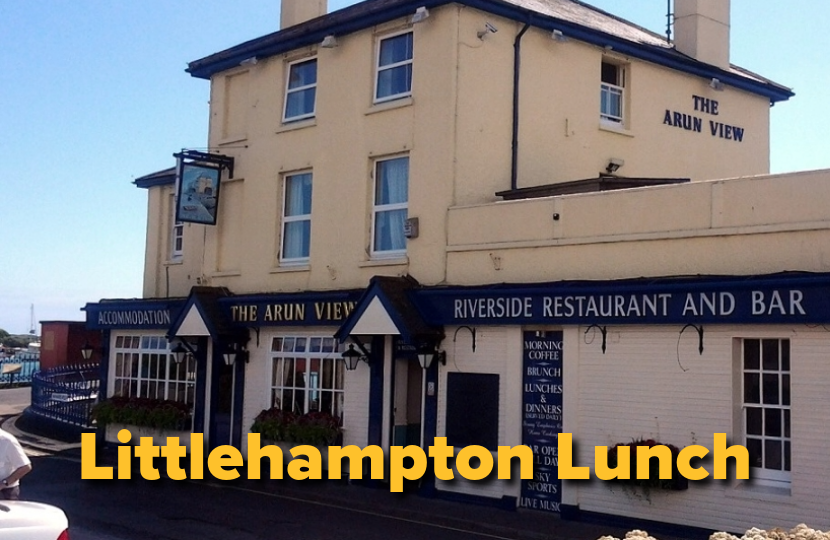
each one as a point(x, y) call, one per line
point(638, 389)
point(498, 351)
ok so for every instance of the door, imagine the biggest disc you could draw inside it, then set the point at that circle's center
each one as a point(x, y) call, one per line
point(408, 394)
point(227, 388)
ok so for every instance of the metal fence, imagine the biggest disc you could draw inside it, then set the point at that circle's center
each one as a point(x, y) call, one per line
point(18, 369)
point(66, 393)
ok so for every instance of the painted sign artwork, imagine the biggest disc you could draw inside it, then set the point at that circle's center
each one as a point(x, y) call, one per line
point(198, 193)
point(542, 418)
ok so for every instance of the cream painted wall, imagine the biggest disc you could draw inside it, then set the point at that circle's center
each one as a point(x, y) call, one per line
point(456, 129)
point(742, 226)
point(561, 137)
point(164, 277)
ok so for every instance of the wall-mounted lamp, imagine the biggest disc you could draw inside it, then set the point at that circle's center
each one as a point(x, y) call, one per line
point(86, 351)
point(716, 84)
point(179, 353)
point(234, 352)
point(249, 61)
point(558, 35)
point(427, 356)
point(329, 42)
point(489, 28)
point(421, 14)
point(351, 357)
point(181, 350)
point(614, 165)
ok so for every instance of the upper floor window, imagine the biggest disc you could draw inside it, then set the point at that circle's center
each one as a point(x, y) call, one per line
point(394, 74)
point(612, 90)
point(301, 90)
point(766, 409)
point(176, 233)
point(296, 219)
point(390, 207)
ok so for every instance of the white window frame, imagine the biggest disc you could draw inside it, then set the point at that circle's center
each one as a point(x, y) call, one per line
point(377, 208)
point(379, 68)
point(293, 219)
point(132, 358)
point(608, 90)
point(176, 233)
point(330, 352)
point(289, 91)
point(761, 475)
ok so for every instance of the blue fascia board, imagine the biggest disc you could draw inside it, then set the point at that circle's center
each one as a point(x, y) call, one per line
point(665, 57)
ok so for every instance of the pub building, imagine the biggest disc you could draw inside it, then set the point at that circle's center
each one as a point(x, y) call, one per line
point(419, 218)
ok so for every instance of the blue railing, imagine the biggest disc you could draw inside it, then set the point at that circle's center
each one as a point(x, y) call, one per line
point(18, 369)
point(66, 393)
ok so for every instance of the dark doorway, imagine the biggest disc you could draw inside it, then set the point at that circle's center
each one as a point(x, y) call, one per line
point(221, 429)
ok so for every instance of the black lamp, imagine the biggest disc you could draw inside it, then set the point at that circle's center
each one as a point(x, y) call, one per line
point(86, 351)
point(352, 357)
point(426, 357)
point(179, 352)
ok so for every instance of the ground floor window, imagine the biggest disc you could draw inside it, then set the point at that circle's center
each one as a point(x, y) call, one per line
point(306, 375)
point(144, 367)
point(766, 409)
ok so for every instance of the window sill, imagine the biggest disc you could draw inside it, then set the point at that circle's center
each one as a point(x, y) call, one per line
point(231, 140)
point(297, 124)
point(289, 268)
point(615, 128)
point(176, 262)
point(392, 261)
point(397, 103)
point(750, 491)
point(226, 273)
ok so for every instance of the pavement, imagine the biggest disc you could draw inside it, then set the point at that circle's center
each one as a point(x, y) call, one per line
point(481, 519)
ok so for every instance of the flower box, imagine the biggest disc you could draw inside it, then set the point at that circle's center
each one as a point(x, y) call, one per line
point(677, 482)
point(159, 435)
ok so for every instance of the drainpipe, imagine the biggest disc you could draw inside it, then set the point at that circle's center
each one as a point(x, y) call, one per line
point(517, 61)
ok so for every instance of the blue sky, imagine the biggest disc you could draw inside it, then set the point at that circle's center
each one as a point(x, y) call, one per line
point(93, 94)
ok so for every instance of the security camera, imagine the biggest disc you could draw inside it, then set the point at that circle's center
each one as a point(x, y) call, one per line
point(489, 28)
point(614, 164)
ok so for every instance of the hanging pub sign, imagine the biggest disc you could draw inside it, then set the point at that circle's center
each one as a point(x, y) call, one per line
point(198, 180)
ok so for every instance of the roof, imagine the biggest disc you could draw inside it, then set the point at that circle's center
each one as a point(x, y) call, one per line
point(393, 293)
point(159, 178)
point(573, 18)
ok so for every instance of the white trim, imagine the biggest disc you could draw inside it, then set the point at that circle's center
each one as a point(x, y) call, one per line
point(763, 476)
point(378, 69)
point(375, 321)
point(294, 261)
point(193, 324)
point(617, 88)
point(338, 367)
point(289, 91)
point(176, 231)
point(392, 253)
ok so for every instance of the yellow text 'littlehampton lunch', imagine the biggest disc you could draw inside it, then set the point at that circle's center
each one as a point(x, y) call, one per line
point(223, 462)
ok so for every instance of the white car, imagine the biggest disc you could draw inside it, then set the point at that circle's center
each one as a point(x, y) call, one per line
point(25, 520)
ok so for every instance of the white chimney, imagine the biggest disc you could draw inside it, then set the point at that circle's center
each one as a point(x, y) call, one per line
point(293, 12)
point(701, 30)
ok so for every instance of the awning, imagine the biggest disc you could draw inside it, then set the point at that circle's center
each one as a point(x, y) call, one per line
point(386, 308)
